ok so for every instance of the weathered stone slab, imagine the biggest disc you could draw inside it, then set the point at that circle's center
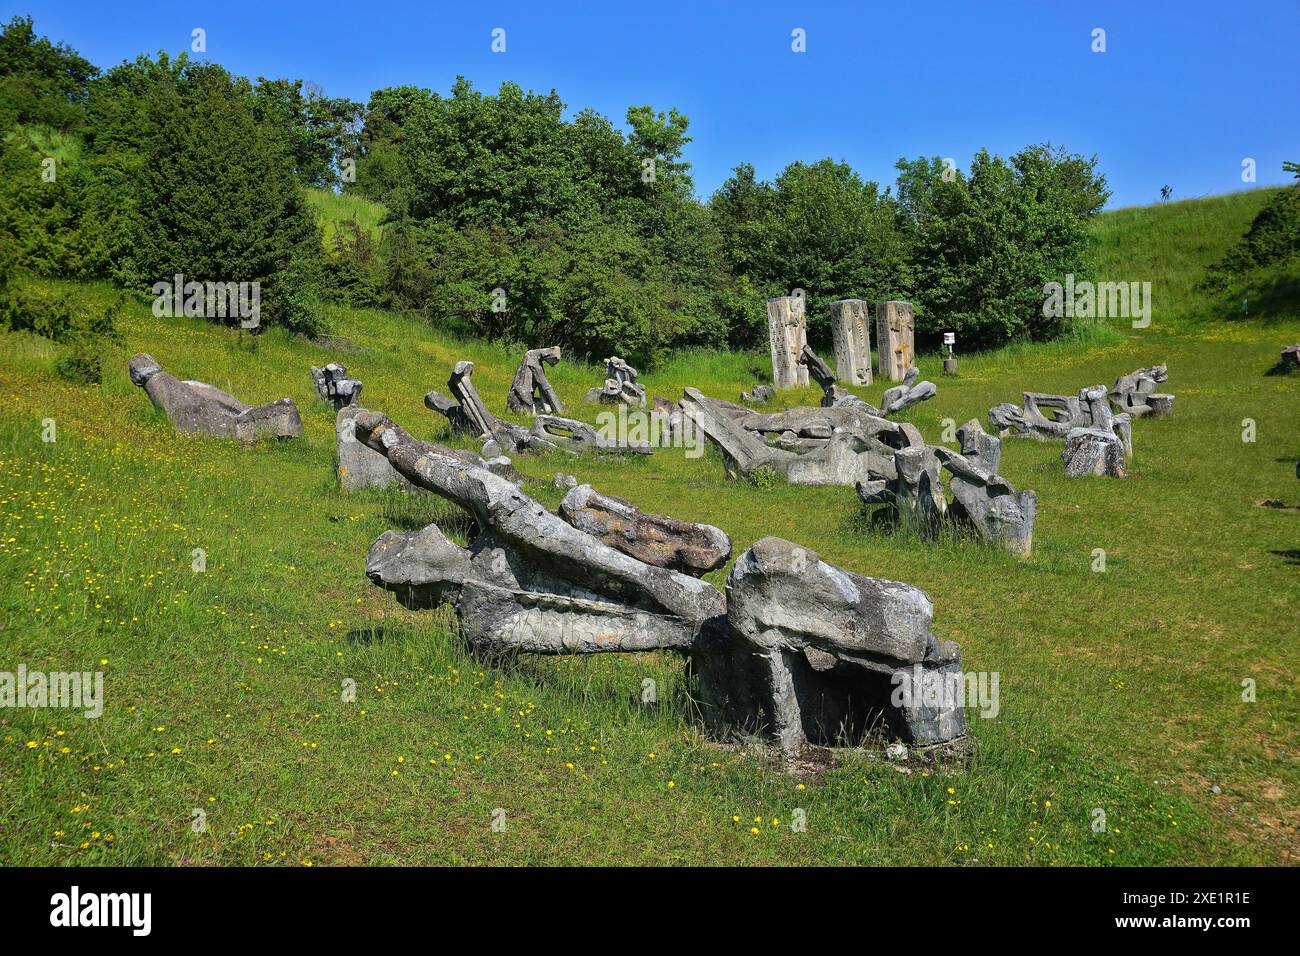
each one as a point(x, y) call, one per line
point(895, 339)
point(787, 336)
point(665, 542)
point(851, 334)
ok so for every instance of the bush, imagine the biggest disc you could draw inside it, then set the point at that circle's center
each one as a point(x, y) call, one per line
point(81, 363)
point(1273, 236)
point(58, 316)
point(986, 244)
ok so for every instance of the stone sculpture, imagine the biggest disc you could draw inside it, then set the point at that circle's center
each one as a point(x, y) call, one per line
point(358, 465)
point(468, 415)
point(787, 336)
point(531, 391)
point(895, 399)
point(983, 502)
point(665, 542)
point(835, 454)
point(620, 386)
point(334, 386)
point(1054, 417)
point(800, 652)
point(910, 393)
point(851, 335)
point(814, 655)
point(203, 408)
point(758, 395)
point(578, 438)
point(895, 339)
point(1135, 393)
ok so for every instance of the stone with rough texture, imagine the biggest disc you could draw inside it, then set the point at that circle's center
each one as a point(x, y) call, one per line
point(895, 339)
point(844, 458)
point(1135, 393)
point(665, 542)
point(851, 335)
point(787, 335)
point(758, 395)
point(359, 466)
point(1093, 451)
point(529, 582)
point(469, 415)
point(815, 652)
point(915, 493)
point(984, 501)
point(203, 408)
point(620, 386)
point(531, 390)
point(334, 386)
point(910, 393)
point(579, 438)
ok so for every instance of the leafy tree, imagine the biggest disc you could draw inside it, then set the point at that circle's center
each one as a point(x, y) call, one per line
point(317, 131)
point(991, 240)
point(186, 180)
point(40, 82)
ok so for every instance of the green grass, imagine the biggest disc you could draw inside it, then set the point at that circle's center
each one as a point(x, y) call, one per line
point(334, 208)
point(1119, 690)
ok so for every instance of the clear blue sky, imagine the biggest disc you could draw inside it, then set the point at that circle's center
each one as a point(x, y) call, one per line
point(1184, 92)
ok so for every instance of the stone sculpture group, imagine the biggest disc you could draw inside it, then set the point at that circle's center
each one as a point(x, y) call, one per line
point(1097, 424)
point(797, 650)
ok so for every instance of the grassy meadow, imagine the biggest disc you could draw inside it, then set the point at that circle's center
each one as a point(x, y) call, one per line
point(1121, 689)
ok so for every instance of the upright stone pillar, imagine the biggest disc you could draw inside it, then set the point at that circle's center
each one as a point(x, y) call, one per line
point(788, 334)
point(852, 336)
point(895, 347)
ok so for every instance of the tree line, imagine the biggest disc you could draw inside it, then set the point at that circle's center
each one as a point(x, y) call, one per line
point(504, 218)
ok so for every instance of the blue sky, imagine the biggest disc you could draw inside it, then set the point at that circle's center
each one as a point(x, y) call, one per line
point(1183, 93)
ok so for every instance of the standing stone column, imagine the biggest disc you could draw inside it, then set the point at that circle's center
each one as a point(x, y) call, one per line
point(852, 337)
point(895, 347)
point(788, 335)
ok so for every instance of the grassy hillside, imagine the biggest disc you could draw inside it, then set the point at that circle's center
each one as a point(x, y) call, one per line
point(1171, 244)
point(1119, 690)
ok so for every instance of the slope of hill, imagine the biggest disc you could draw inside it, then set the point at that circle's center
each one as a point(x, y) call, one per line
point(1171, 245)
point(1121, 689)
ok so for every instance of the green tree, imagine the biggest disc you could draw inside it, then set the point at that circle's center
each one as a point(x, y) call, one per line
point(186, 180)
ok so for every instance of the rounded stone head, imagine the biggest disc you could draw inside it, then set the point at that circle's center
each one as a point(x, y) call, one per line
point(143, 367)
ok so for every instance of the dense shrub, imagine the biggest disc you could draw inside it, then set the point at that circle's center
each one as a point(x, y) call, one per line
point(53, 314)
point(983, 245)
point(1273, 236)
